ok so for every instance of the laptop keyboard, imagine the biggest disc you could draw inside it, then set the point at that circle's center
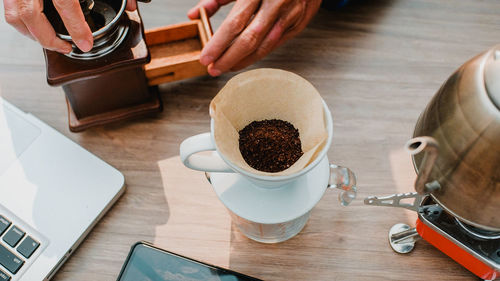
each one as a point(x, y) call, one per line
point(18, 248)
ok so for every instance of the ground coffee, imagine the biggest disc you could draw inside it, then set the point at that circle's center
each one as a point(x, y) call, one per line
point(270, 145)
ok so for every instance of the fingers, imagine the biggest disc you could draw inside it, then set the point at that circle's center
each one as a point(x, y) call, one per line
point(310, 9)
point(249, 40)
point(131, 5)
point(211, 6)
point(44, 33)
point(234, 23)
point(28, 18)
point(268, 44)
point(75, 23)
point(291, 17)
point(12, 17)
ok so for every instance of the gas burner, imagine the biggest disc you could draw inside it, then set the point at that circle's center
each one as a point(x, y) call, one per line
point(457, 170)
point(476, 249)
point(477, 232)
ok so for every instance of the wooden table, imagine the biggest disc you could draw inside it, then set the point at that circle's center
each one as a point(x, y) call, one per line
point(376, 64)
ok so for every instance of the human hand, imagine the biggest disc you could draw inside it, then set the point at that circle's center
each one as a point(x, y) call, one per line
point(28, 18)
point(252, 30)
point(131, 5)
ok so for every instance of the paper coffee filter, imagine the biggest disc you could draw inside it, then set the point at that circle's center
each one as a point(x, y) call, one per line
point(268, 94)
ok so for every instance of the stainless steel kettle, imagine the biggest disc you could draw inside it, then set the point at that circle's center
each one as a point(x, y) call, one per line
point(456, 144)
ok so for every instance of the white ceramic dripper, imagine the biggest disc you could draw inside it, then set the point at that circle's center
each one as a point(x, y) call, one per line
point(269, 208)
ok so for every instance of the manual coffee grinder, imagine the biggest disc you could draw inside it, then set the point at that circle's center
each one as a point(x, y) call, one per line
point(108, 82)
point(456, 153)
point(117, 79)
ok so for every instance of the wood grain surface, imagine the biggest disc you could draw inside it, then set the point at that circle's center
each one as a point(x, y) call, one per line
point(376, 64)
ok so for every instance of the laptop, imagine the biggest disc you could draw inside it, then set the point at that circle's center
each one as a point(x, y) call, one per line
point(52, 192)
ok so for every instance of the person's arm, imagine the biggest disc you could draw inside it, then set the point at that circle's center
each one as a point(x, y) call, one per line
point(28, 18)
point(252, 30)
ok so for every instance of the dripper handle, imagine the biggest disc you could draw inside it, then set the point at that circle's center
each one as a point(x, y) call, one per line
point(199, 143)
point(344, 179)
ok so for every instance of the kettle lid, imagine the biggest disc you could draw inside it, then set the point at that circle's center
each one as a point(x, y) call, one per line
point(492, 76)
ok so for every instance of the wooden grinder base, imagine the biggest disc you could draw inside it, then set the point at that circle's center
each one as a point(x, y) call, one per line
point(122, 84)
